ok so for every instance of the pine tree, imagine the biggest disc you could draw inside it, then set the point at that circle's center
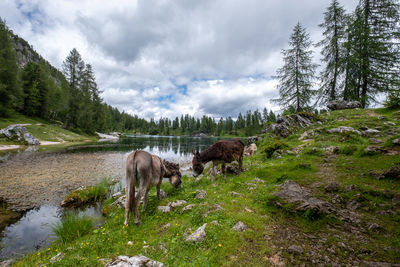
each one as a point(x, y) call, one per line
point(333, 51)
point(297, 74)
point(377, 33)
point(73, 68)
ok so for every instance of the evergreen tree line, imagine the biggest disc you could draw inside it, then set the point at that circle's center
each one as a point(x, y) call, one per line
point(248, 124)
point(72, 97)
point(360, 58)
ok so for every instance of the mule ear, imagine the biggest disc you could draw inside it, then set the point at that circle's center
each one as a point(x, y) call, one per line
point(194, 153)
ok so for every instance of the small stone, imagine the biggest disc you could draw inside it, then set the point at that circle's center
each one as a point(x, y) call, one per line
point(166, 226)
point(353, 205)
point(117, 195)
point(188, 207)
point(57, 257)
point(177, 203)
point(337, 199)
point(163, 194)
point(239, 226)
point(164, 209)
point(396, 198)
point(130, 243)
point(332, 187)
point(396, 141)
point(248, 210)
point(350, 188)
point(139, 260)
point(215, 223)
point(258, 180)
point(198, 235)
point(389, 123)
point(375, 141)
point(200, 194)
point(375, 227)
point(295, 249)
point(276, 261)
point(236, 194)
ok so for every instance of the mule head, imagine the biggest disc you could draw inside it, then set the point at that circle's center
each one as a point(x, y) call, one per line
point(198, 166)
point(173, 173)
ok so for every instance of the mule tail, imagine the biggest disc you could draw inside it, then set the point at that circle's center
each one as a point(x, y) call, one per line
point(130, 202)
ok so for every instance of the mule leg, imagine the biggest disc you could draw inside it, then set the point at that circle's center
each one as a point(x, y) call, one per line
point(136, 211)
point(240, 164)
point(224, 169)
point(214, 172)
point(130, 201)
point(158, 190)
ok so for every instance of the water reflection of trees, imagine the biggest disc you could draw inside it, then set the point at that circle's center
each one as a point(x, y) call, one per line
point(178, 145)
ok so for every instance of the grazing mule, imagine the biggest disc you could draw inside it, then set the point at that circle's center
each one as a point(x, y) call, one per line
point(250, 150)
point(224, 151)
point(145, 170)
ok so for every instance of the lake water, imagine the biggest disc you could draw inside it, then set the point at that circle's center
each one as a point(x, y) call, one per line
point(37, 181)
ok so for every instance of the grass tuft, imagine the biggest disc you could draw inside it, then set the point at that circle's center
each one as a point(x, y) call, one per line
point(72, 226)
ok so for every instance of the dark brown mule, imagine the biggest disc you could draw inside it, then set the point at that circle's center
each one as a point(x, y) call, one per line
point(145, 170)
point(224, 151)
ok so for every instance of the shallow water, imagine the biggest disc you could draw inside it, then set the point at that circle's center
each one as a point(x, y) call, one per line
point(38, 181)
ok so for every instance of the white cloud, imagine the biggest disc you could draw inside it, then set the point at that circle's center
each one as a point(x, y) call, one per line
point(144, 52)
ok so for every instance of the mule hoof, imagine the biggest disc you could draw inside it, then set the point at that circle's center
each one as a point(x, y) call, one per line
point(138, 223)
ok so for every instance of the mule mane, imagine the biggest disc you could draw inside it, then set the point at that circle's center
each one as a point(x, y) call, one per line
point(171, 168)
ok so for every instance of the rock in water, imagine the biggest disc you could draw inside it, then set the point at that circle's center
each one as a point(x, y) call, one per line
point(341, 104)
point(198, 235)
point(135, 261)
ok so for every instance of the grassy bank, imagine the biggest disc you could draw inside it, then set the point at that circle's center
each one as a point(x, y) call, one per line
point(43, 130)
point(271, 227)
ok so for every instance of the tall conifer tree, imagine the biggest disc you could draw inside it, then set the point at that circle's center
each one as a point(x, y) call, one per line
point(297, 74)
point(333, 51)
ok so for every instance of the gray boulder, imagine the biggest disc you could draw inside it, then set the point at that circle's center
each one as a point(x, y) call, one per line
point(239, 226)
point(135, 261)
point(341, 104)
point(396, 142)
point(198, 235)
point(19, 133)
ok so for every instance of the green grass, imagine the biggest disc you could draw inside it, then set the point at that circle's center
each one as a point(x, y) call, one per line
point(89, 194)
point(271, 228)
point(72, 226)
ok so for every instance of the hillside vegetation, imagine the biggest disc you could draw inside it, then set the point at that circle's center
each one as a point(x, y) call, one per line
point(277, 232)
point(43, 130)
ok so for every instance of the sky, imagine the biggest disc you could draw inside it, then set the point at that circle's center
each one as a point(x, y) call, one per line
point(164, 58)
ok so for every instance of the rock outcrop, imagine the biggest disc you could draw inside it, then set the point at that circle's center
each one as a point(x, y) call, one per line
point(286, 124)
point(341, 104)
point(19, 133)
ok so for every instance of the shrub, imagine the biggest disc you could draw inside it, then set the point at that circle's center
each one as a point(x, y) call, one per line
point(72, 226)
